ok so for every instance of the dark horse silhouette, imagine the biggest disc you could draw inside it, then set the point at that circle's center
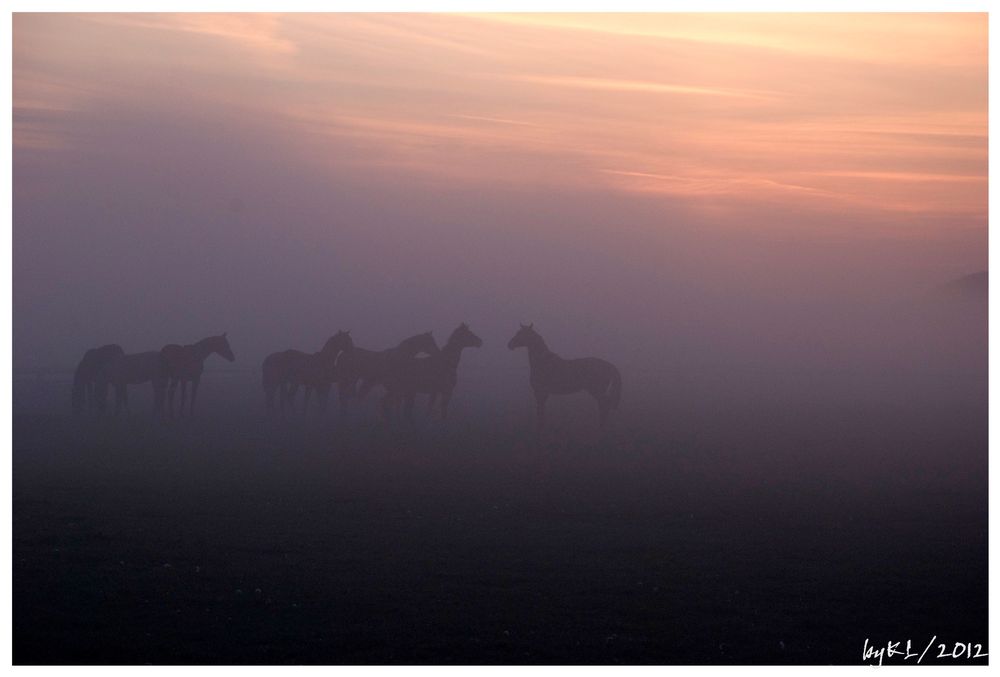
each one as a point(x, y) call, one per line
point(126, 370)
point(283, 373)
point(371, 367)
point(87, 376)
point(185, 364)
point(435, 375)
point(554, 375)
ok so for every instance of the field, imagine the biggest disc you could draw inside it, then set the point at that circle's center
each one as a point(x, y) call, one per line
point(721, 531)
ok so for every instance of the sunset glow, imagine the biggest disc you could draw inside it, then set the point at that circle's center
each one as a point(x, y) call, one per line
point(870, 113)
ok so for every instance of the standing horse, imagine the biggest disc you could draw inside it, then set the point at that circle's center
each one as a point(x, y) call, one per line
point(554, 375)
point(126, 370)
point(186, 363)
point(276, 378)
point(87, 375)
point(371, 367)
point(435, 376)
point(285, 371)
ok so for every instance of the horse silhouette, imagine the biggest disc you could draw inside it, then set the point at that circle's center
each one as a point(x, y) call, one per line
point(435, 375)
point(87, 375)
point(185, 364)
point(371, 367)
point(126, 370)
point(283, 373)
point(554, 375)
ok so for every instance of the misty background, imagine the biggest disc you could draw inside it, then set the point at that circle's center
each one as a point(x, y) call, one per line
point(774, 225)
point(171, 197)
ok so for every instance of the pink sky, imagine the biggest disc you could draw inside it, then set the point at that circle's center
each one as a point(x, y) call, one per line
point(879, 112)
point(398, 171)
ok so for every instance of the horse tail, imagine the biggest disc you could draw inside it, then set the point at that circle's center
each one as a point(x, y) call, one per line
point(615, 392)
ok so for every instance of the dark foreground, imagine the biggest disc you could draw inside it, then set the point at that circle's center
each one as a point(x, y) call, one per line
point(769, 536)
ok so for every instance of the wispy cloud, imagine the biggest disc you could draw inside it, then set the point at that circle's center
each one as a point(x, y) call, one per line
point(255, 31)
point(608, 84)
point(827, 110)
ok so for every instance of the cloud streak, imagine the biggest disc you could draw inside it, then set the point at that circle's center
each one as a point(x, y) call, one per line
point(802, 107)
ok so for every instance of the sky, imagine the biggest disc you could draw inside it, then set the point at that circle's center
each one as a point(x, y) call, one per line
point(704, 185)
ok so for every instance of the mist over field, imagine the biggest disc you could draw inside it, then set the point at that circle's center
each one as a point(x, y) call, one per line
point(780, 244)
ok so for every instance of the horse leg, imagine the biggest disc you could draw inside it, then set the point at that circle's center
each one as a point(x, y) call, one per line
point(366, 385)
point(603, 405)
point(121, 399)
point(408, 407)
point(194, 392)
point(445, 399)
point(171, 389)
point(100, 392)
point(540, 398)
point(305, 400)
point(430, 403)
point(322, 396)
point(180, 410)
point(282, 397)
point(159, 392)
point(385, 406)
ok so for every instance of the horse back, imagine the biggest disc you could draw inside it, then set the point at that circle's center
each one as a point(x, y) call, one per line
point(362, 362)
point(562, 376)
point(137, 368)
point(423, 375)
point(181, 361)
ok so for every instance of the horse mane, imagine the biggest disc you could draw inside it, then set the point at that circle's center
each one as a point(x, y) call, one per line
point(202, 343)
point(453, 338)
point(542, 344)
point(409, 340)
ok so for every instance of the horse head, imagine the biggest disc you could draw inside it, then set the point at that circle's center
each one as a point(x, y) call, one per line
point(420, 343)
point(464, 338)
point(525, 337)
point(339, 342)
point(221, 345)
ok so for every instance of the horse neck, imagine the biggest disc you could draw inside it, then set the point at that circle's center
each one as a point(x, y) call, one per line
point(331, 352)
point(405, 349)
point(452, 353)
point(202, 349)
point(538, 352)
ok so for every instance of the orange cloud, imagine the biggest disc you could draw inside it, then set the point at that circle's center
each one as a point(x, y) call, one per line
point(884, 112)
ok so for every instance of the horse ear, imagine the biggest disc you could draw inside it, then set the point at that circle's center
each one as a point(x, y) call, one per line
point(224, 334)
point(531, 326)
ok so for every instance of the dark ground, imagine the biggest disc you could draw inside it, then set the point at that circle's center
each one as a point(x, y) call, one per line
point(760, 533)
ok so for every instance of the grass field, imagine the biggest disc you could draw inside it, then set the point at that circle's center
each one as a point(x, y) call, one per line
point(719, 534)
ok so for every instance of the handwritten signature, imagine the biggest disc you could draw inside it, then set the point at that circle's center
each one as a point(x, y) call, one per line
point(959, 651)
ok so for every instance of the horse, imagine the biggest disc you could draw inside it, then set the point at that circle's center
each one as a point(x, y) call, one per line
point(186, 363)
point(435, 376)
point(371, 367)
point(554, 375)
point(87, 374)
point(126, 370)
point(283, 372)
point(277, 375)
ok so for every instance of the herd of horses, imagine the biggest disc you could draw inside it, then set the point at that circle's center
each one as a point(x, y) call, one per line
point(416, 366)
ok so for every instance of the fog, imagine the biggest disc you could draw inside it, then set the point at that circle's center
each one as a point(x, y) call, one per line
point(180, 227)
point(774, 226)
point(283, 177)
